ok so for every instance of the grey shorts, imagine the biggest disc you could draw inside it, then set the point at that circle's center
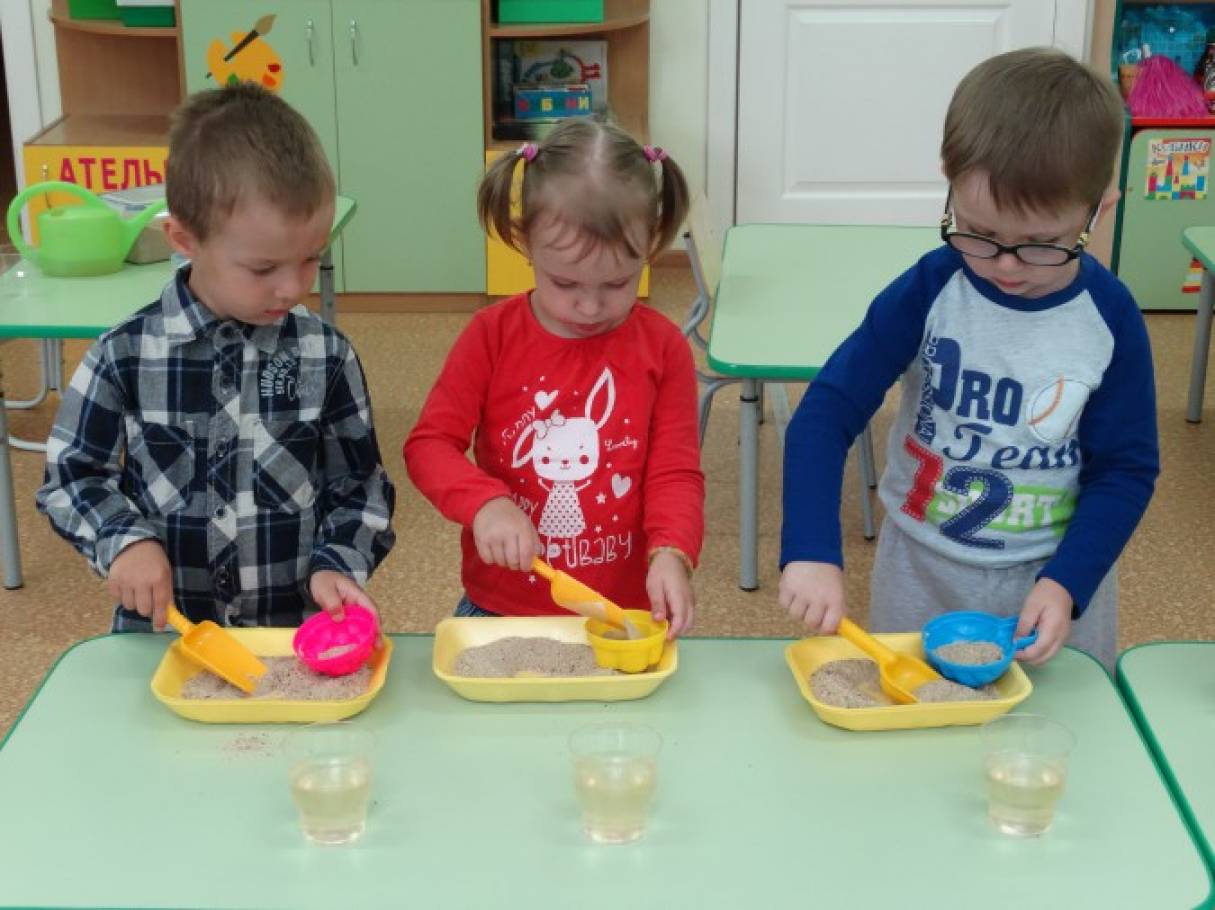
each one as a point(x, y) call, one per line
point(911, 584)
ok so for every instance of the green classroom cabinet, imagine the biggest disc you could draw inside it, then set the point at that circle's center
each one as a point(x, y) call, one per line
point(1150, 258)
point(1165, 165)
point(393, 89)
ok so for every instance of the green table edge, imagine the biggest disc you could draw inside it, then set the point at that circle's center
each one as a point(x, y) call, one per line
point(1163, 768)
point(1190, 240)
point(728, 368)
point(344, 209)
point(773, 373)
point(1126, 696)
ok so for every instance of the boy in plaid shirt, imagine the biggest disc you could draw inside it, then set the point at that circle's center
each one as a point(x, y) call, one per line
point(216, 448)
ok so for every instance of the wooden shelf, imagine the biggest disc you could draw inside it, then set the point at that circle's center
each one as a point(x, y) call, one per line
point(1185, 123)
point(110, 27)
point(568, 29)
point(117, 130)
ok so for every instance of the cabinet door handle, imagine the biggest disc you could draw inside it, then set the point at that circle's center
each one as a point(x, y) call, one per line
point(309, 28)
point(354, 42)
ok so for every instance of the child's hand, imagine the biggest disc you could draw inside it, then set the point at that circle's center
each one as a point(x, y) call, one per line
point(670, 592)
point(331, 589)
point(1048, 609)
point(505, 536)
point(813, 592)
point(142, 580)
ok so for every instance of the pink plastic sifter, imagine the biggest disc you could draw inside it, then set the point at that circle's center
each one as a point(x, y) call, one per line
point(337, 648)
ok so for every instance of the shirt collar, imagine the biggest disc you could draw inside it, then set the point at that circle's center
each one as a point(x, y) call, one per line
point(187, 319)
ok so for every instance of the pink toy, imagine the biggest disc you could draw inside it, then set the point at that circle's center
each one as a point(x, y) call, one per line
point(337, 648)
point(1164, 89)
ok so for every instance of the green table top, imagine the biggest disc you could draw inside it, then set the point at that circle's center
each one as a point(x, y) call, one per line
point(35, 306)
point(1201, 242)
point(111, 800)
point(790, 293)
point(1170, 687)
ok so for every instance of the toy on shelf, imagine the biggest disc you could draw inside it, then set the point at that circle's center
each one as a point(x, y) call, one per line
point(551, 102)
point(1163, 89)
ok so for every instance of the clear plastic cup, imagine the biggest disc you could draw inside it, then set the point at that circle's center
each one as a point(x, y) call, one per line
point(1025, 766)
point(330, 773)
point(615, 776)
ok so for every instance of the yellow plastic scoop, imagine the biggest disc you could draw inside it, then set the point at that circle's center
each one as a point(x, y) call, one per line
point(901, 674)
point(209, 646)
point(576, 597)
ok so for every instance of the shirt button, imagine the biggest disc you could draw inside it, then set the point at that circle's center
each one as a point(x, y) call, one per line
point(220, 513)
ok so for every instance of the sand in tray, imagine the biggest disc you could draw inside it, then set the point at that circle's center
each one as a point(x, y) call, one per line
point(856, 683)
point(285, 678)
point(528, 656)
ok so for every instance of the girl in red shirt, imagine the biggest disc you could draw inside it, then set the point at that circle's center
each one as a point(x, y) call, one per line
point(580, 404)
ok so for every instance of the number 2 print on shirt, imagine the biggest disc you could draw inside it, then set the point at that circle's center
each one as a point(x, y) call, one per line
point(966, 423)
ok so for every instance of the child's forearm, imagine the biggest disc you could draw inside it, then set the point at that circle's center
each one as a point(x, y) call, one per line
point(444, 475)
point(355, 532)
point(674, 491)
point(92, 514)
point(815, 451)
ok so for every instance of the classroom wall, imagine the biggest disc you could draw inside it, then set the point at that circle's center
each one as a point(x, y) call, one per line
point(678, 77)
point(1101, 37)
point(48, 65)
point(679, 83)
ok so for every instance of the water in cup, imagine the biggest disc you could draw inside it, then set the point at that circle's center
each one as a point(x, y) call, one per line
point(329, 769)
point(332, 796)
point(1025, 768)
point(615, 792)
point(1022, 791)
point(615, 778)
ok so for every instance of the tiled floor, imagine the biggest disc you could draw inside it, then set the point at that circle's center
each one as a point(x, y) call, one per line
point(1168, 588)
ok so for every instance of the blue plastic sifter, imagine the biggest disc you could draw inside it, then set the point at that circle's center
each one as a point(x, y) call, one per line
point(973, 626)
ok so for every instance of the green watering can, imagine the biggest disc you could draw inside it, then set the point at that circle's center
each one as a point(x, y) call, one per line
point(78, 240)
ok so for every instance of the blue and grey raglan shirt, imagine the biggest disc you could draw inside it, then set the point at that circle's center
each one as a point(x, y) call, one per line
point(1027, 428)
point(247, 451)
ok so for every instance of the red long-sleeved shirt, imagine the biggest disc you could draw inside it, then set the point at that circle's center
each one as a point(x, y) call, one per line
point(594, 438)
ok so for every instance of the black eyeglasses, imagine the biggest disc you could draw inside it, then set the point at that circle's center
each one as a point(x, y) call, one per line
point(1030, 253)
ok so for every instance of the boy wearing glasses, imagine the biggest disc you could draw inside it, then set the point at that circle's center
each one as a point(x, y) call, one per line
point(1024, 451)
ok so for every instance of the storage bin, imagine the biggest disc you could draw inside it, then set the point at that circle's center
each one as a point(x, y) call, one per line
point(147, 13)
point(519, 11)
point(93, 9)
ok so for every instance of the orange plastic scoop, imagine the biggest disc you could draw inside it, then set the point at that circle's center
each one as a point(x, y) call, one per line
point(209, 646)
point(576, 597)
point(901, 674)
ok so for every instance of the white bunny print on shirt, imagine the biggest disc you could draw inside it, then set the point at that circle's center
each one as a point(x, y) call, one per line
point(565, 452)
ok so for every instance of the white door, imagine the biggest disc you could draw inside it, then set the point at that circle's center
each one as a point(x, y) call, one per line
point(841, 105)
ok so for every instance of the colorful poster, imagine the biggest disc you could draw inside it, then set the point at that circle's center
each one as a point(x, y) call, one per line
point(1177, 169)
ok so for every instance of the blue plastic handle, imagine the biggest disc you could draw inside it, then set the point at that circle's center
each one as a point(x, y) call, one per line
point(1025, 642)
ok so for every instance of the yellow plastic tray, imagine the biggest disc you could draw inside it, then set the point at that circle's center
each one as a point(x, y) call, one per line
point(455, 634)
point(175, 669)
point(807, 655)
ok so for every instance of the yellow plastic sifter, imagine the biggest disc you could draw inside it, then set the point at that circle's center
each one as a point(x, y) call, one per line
point(209, 646)
point(901, 674)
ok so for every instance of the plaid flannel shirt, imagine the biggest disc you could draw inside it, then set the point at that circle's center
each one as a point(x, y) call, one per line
point(247, 451)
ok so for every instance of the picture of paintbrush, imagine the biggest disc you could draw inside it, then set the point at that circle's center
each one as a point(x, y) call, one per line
point(261, 27)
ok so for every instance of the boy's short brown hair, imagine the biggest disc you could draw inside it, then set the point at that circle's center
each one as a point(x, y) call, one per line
point(231, 143)
point(1044, 128)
